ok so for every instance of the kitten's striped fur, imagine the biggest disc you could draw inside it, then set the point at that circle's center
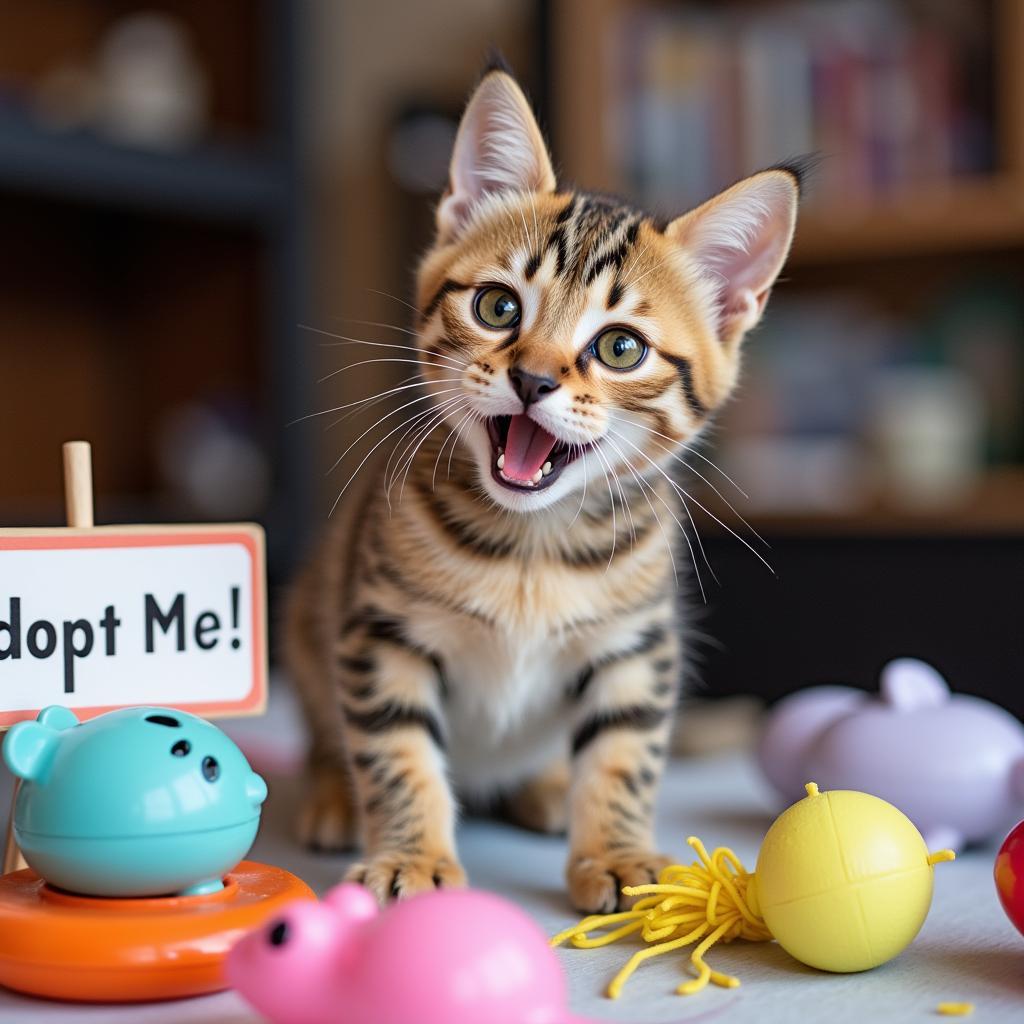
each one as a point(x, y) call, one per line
point(477, 639)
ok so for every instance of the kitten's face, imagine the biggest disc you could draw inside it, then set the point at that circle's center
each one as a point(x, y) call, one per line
point(573, 338)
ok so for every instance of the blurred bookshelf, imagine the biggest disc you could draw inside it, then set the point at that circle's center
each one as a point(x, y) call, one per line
point(151, 176)
point(902, 298)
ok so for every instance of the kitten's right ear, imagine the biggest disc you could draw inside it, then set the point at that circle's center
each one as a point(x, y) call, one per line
point(499, 148)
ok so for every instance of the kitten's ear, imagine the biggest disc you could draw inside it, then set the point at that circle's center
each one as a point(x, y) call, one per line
point(740, 239)
point(499, 148)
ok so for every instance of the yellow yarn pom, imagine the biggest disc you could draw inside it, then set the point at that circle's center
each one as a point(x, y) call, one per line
point(703, 903)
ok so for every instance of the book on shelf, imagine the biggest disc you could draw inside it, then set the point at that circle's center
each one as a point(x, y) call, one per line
point(889, 95)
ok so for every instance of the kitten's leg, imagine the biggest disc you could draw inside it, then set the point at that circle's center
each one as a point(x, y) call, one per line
point(542, 803)
point(390, 697)
point(619, 747)
point(327, 819)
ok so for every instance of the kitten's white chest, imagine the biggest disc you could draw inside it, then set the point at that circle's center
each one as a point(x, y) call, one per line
point(506, 708)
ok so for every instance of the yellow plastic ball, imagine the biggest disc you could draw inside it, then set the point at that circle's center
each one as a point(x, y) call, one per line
point(843, 880)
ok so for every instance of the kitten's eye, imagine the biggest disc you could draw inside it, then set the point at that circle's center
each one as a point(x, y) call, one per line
point(497, 308)
point(619, 349)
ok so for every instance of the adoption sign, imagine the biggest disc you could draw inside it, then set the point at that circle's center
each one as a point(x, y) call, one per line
point(112, 616)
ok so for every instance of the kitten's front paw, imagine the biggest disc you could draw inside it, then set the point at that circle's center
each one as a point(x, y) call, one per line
point(396, 875)
point(596, 881)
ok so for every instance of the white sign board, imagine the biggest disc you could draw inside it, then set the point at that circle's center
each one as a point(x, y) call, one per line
point(112, 616)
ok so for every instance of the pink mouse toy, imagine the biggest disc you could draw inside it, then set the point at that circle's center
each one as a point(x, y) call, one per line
point(954, 764)
point(445, 957)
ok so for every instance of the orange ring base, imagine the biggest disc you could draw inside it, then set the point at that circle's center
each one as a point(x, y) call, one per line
point(90, 949)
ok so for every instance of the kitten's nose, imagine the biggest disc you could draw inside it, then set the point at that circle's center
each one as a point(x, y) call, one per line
point(530, 387)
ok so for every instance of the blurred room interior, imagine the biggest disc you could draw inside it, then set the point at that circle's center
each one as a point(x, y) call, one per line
point(196, 196)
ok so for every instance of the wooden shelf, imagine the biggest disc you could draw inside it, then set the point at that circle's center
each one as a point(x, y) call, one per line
point(995, 507)
point(211, 184)
point(956, 216)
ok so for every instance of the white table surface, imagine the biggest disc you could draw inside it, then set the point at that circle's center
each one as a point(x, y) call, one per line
point(966, 952)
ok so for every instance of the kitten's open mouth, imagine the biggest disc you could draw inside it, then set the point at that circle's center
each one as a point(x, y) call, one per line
point(524, 456)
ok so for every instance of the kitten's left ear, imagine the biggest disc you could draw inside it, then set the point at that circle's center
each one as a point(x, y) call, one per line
point(499, 148)
point(740, 239)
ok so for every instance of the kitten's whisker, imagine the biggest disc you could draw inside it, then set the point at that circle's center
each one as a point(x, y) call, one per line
point(526, 230)
point(452, 436)
point(342, 340)
point(700, 476)
point(408, 438)
point(641, 250)
point(388, 295)
point(611, 497)
point(365, 459)
point(661, 526)
point(682, 530)
point(426, 415)
point(386, 359)
point(440, 452)
point(378, 397)
point(689, 448)
point(379, 323)
point(728, 504)
point(436, 394)
point(472, 415)
point(647, 273)
point(415, 401)
point(685, 494)
point(420, 434)
point(369, 403)
point(700, 542)
point(411, 425)
point(428, 430)
point(367, 456)
point(583, 454)
point(625, 504)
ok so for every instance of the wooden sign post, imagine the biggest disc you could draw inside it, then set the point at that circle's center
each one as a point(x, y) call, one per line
point(97, 618)
point(78, 510)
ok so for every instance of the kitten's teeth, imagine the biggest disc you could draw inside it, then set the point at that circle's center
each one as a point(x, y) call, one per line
point(501, 461)
point(537, 476)
point(546, 468)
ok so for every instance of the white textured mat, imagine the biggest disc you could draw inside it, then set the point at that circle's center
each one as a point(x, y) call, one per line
point(967, 951)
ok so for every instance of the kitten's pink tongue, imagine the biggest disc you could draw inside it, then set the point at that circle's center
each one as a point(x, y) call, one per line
point(526, 449)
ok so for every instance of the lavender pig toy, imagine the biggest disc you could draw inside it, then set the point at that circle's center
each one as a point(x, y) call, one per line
point(953, 764)
point(444, 957)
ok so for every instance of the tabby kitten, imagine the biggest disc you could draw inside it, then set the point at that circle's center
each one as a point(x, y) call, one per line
point(509, 625)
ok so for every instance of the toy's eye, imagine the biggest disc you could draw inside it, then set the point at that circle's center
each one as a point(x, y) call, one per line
point(497, 308)
point(278, 934)
point(181, 748)
point(171, 723)
point(619, 349)
point(211, 770)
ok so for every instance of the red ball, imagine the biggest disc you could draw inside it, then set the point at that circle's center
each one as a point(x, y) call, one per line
point(1009, 874)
